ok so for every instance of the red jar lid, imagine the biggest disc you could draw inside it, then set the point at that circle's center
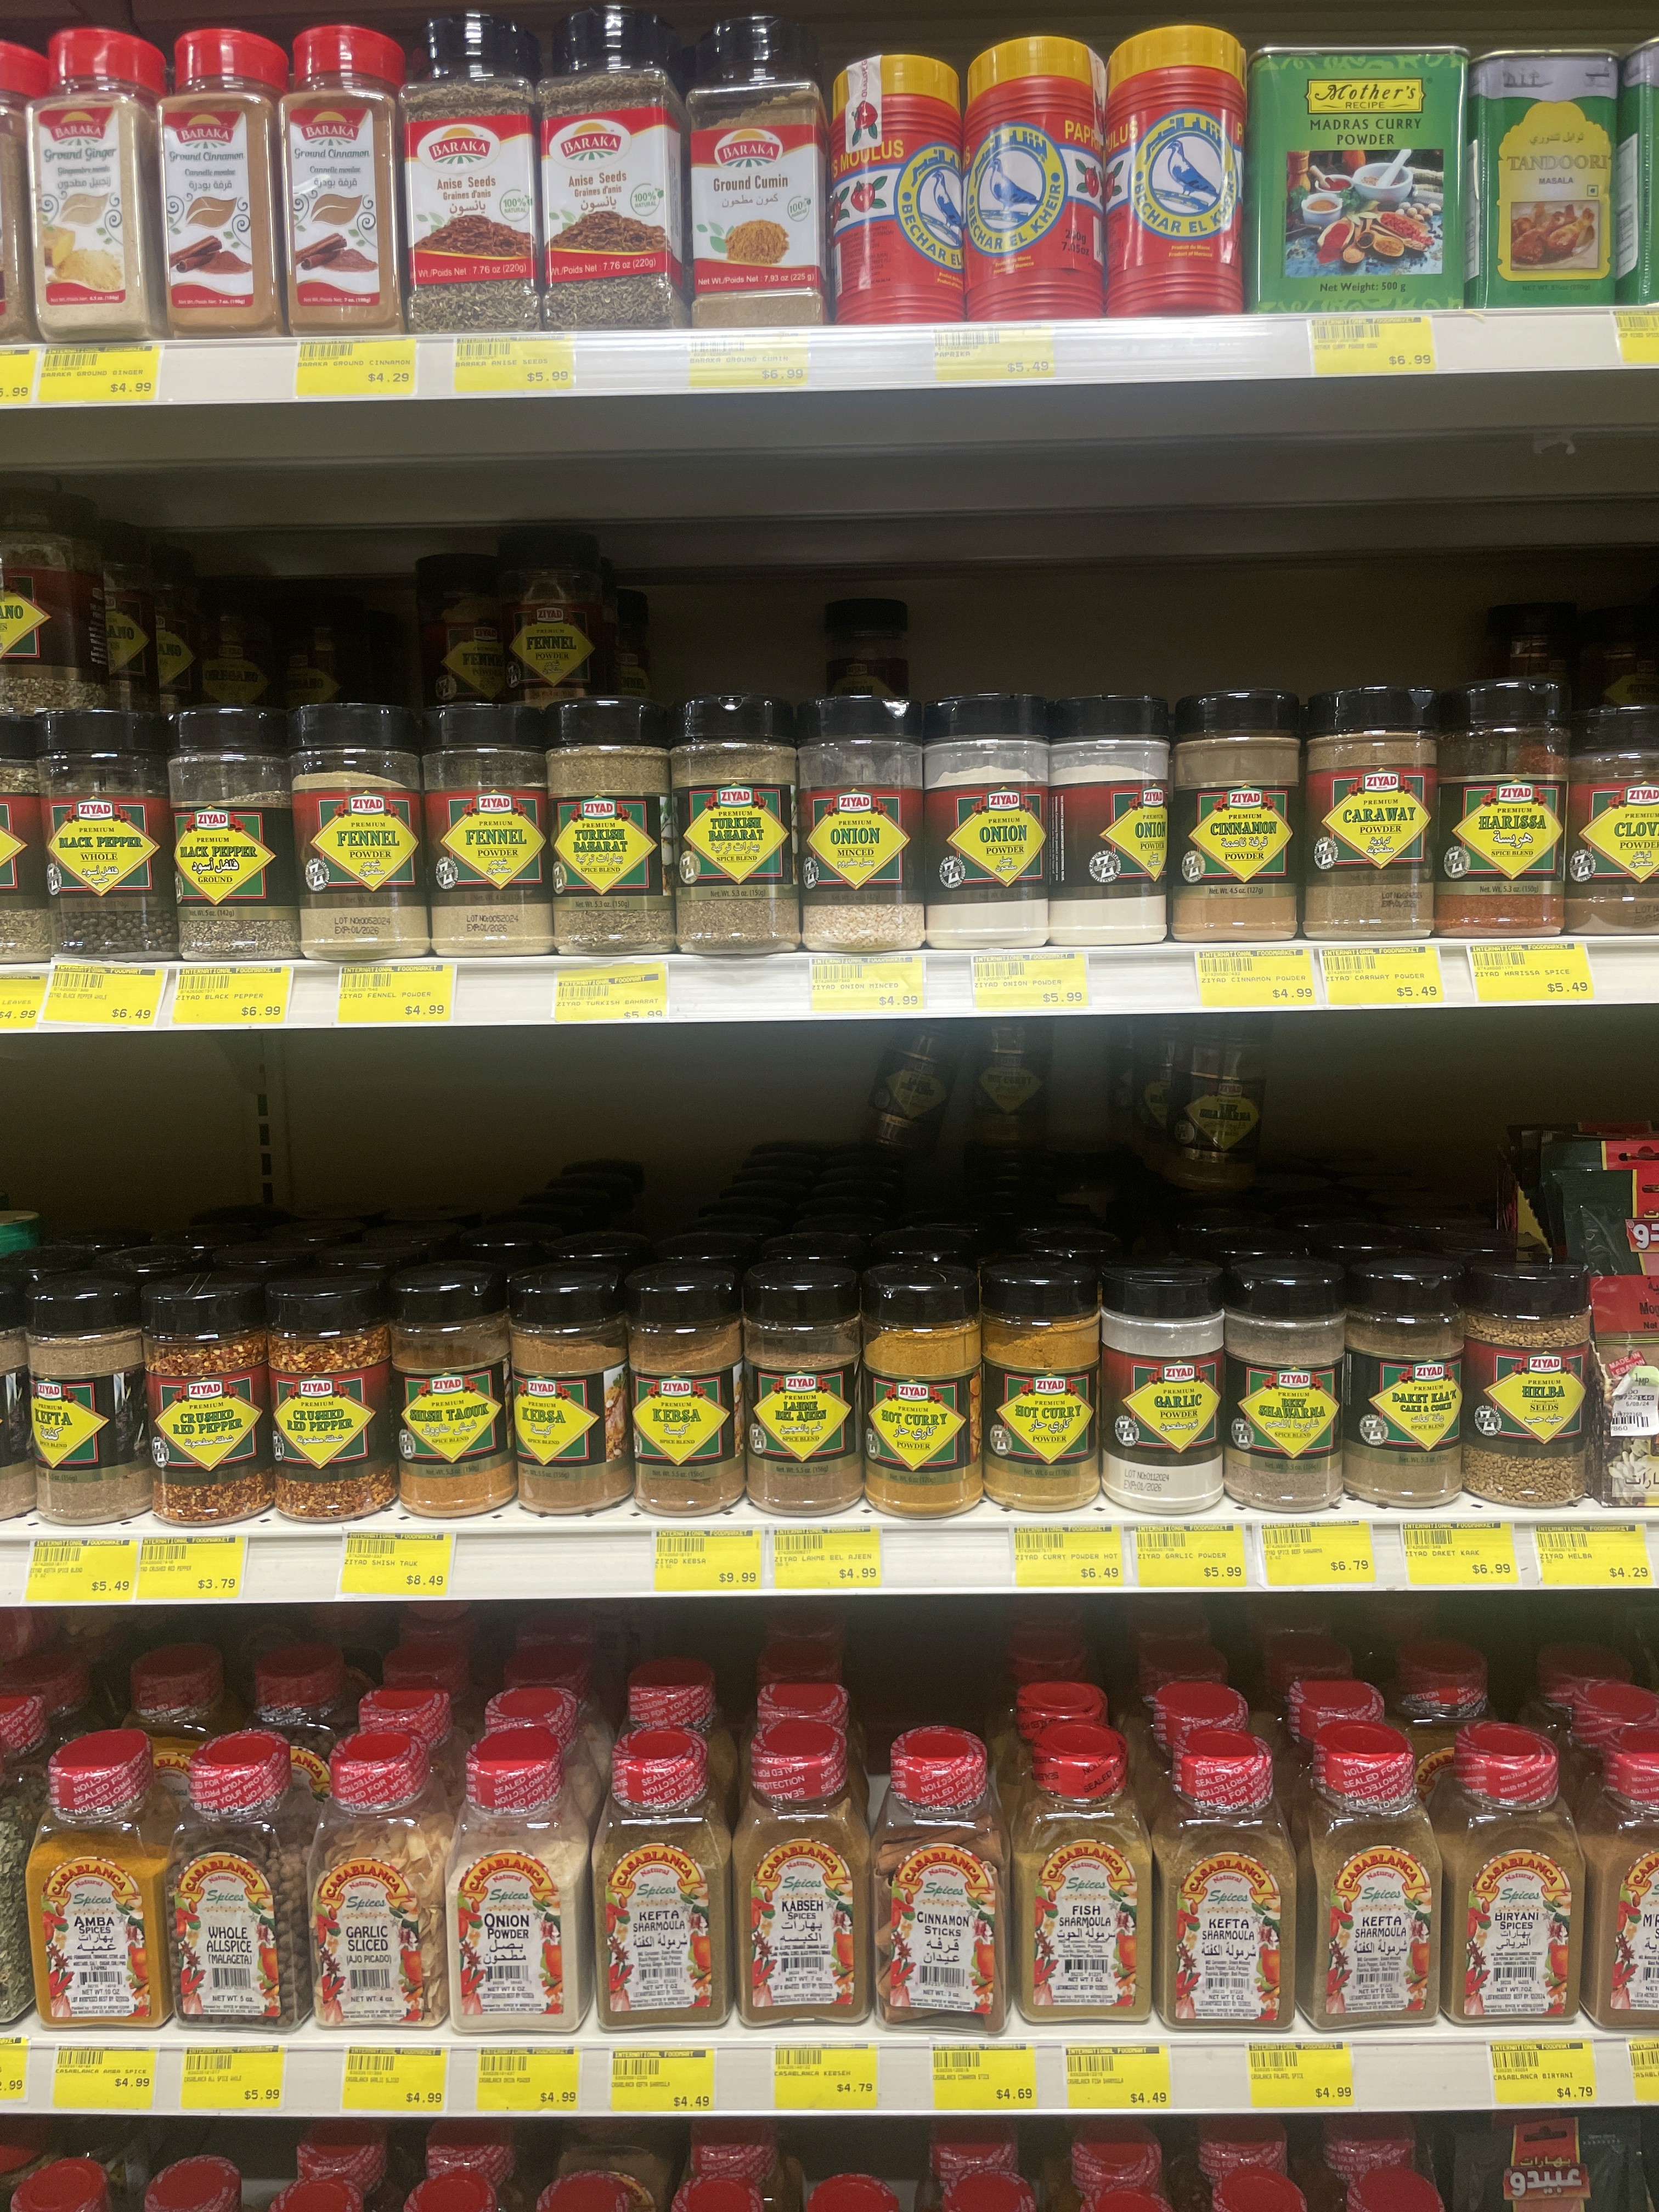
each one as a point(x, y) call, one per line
point(23, 1724)
point(345, 49)
point(1599, 1710)
point(299, 1676)
point(959, 2146)
point(177, 1679)
point(1163, 1659)
point(419, 1711)
point(23, 1629)
point(671, 1693)
point(1038, 1705)
point(235, 1773)
point(1180, 1707)
point(413, 1665)
point(68, 2184)
point(799, 1659)
point(593, 2191)
point(537, 1706)
point(437, 1616)
point(939, 1768)
point(328, 2196)
point(717, 2192)
point(1394, 2189)
point(564, 1666)
point(22, 70)
point(1438, 1680)
point(1360, 2142)
point(1080, 1759)
point(89, 50)
point(984, 2191)
point(195, 2184)
point(659, 1766)
point(1250, 2189)
point(1369, 1767)
point(795, 1760)
point(1513, 1766)
point(207, 57)
point(805, 1701)
point(1114, 2155)
point(1562, 1668)
point(1296, 1655)
point(57, 1675)
point(22, 2140)
point(1047, 1655)
point(474, 2146)
point(377, 1769)
point(1630, 1763)
point(101, 1772)
point(1225, 1770)
point(451, 2192)
point(343, 2150)
point(852, 2192)
point(741, 2150)
point(1227, 2143)
point(516, 1770)
point(1119, 2199)
point(1314, 1702)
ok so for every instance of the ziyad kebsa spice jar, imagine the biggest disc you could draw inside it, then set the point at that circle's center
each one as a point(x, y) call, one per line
point(895, 191)
point(1175, 155)
point(1032, 212)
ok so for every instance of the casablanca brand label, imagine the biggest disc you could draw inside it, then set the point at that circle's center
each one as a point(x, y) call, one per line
point(1403, 1404)
point(756, 207)
point(1162, 1406)
point(859, 839)
point(612, 194)
point(366, 1936)
point(1370, 818)
point(1283, 1413)
point(240, 855)
point(801, 1923)
point(470, 194)
point(328, 1421)
point(1378, 1923)
point(988, 834)
point(1041, 1419)
point(490, 838)
point(224, 1940)
point(98, 845)
point(369, 838)
point(80, 205)
point(450, 1418)
point(205, 205)
point(1489, 831)
point(603, 845)
point(79, 1429)
point(311, 1768)
point(1086, 1909)
point(1536, 1395)
point(339, 227)
point(1430, 1768)
point(1234, 834)
point(684, 1419)
point(798, 1415)
point(1227, 1929)
point(736, 833)
point(944, 1932)
point(97, 1948)
point(1109, 837)
point(927, 1428)
point(568, 1420)
point(1635, 1983)
point(206, 1422)
point(508, 1938)
point(1519, 1919)
point(657, 1953)
point(1615, 829)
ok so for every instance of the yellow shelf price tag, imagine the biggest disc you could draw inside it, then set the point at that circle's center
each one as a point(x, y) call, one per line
point(637, 992)
point(1613, 1557)
point(396, 1566)
point(1372, 345)
point(1276, 975)
point(1285, 2075)
point(18, 367)
point(81, 1571)
point(407, 2080)
point(224, 2077)
point(1556, 972)
point(1022, 355)
point(1030, 982)
point(355, 369)
point(537, 2081)
point(1638, 337)
point(483, 365)
point(984, 2077)
point(13, 2068)
point(1447, 1554)
point(1058, 1557)
point(231, 998)
point(100, 2081)
point(92, 997)
point(1205, 1556)
point(662, 2080)
point(889, 986)
point(826, 1559)
point(746, 364)
point(1315, 1554)
point(1383, 975)
point(20, 1000)
point(824, 2077)
point(1552, 2073)
point(99, 376)
point(191, 1569)
point(1117, 2077)
point(1645, 2053)
point(692, 1560)
point(415, 996)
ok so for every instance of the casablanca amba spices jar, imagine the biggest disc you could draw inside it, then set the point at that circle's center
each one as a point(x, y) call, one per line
point(986, 776)
point(612, 826)
point(1236, 808)
point(1369, 798)
point(685, 1351)
point(96, 1882)
point(861, 765)
point(340, 169)
point(1109, 767)
point(450, 1361)
point(469, 198)
point(733, 773)
point(571, 1414)
point(486, 831)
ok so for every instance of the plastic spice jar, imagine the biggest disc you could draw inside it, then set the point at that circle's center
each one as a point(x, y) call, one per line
point(985, 815)
point(209, 1397)
point(733, 774)
point(571, 1427)
point(232, 836)
point(96, 1887)
point(1618, 1826)
point(1083, 1883)
point(300, 1692)
point(340, 166)
point(895, 191)
point(23, 1799)
point(25, 915)
point(685, 1353)
point(1033, 213)
point(800, 1854)
point(1369, 798)
point(1612, 822)
point(357, 831)
point(866, 643)
point(921, 1390)
point(459, 612)
point(1217, 1081)
point(552, 613)
point(1108, 769)
point(1368, 1884)
point(52, 601)
point(800, 1340)
point(376, 1876)
point(1225, 1946)
point(449, 1359)
point(109, 830)
point(128, 617)
point(22, 78)
point(468, 146)
point(1283, 1451)
point(1237, 807)
point(16, 1455)
point(860, 824)
point(330, 1378)
point(236, 1888)
point(612, 826)
point(87, 1400)
point(517, 1921)
point(759, 147)
point(1040, 1340)
point(219, 186)
point(1175, 151)
point(1526, 1348)
point(940, 1861)
point(99, 261)
point(1161, 1384)
point(178, 629)
point(1503, 775)
point(613, 131)
point(662, 1909)
point(1402, 1393)
point(486, 831)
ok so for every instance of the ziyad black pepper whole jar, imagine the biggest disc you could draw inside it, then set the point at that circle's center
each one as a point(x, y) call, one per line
point(108, 823)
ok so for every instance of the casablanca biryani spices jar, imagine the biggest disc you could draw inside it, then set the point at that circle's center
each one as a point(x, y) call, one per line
point(985, 774)
point(1033, 201)
point(1369, 799)
point(1612, 822)
point(861, 763)
point(1525, 1353)
point(1503, 774)
point(1109, 770)
point(486, 831)
point(1175, 151)
point(612, 826)
point(449, 1361)
point(733, 773)
point(1237, 773)
point(895, 191)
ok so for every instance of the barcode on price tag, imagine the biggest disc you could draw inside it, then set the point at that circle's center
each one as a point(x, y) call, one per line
point(826, 1559)
point(236, 2080)
point(527, 2080)
point(1543, 2072)
point(408, 2081)
point(1277, 977)
point(972, 2077)
point(824, 2078)
point(662, 2080)
point(1611, 1558)
point(1210, 1555)
point(1119, 2077)
point(1296, 2074)
point(1304, 1553)
point(707, 1559)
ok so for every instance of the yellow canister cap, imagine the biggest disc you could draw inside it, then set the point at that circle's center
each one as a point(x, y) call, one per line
point(916, 74)
point(1020, 57)
point(1181, 45)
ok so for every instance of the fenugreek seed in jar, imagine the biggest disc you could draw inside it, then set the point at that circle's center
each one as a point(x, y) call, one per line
point(612, 826)
point(1369, 798)
point(1237, 809)
point(1525, 1349)
point(860, 824)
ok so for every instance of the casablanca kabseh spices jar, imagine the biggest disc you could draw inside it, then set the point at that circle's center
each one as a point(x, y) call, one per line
point(449, 1360)
point(1503, 810)
point(800, 1854)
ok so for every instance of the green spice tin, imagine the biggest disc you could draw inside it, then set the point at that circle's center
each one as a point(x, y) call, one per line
point(1636, 179)
point(1336, 219)
point(1541, 178)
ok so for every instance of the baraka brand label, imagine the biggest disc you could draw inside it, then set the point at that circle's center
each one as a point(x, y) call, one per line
point(1283, 1413)
point(366, 1938)
point(867, 841)
point(1516, 1932)
point(1041, 1419)
point(205, 1423)
point(1536, 1396)
point(492, 838)
point(1635, 1982)
point(338, 225)
point(1403, 1404)
point(757, 207)
point(801, 1930)
point(22, 853)
point(1162, 1409)
point(798, 1415)
point(602, 845)
point(985, 839)
point(1234, 833)
point(1613, 831)
point(205, 203)
point(1087, 1910)
point(683, 1419)
point(1491, 831)
point(1228, 1919)
point(80, 1428)
point(322, 1423)
point(658, 1955)
point(95, 846)
point(224, 1940)
point(369, 840)
point(1379, 1922)
point(470, 193)
point(1110, 839)
point(736, 833)
point(1371, 818)
point(943, 1927)
point(79, 202)
point(927, 1428)
point(612, 194)
point(448, 1419)
point(508, 1937)
point(97, 1946)
point(571, 1420)
point(234, 856)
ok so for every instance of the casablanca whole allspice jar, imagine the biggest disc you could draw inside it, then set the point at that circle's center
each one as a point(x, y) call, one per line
point(1236, 808)
point(450, 1364)
point(733, 772)
point(1370, 798)
point(860, 824)
point(612, 826)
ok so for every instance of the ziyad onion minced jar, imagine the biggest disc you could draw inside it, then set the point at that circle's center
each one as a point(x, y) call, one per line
point(860, 824)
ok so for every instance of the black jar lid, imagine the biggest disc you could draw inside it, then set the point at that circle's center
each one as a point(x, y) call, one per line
point(473, 45)
point(1362, 707)
point(98, 733)
point(1616, 729)
point(354, 722)
point(1508, 703)
point(831, 1248)
point(98, 1243)
point(475, 723)
point(1352, 1244)
point(539, 545)
point(20, 738)
point(564, 1296)
point(619, 1248)
point(456, 572)
point(564, 1217)
point(607, 1163)
point(1525, 1290)
point(610, 39)
point(1238, 713)
point(13, 1303)
point(867, 614)
point(683, 1295)
point(36, 1261)
point(81, 1305)
point(263, 1216)
point(988, 715)
point(757, 50)
point(1285, 1290)
point(445, 1291)
point(615, 1182)
point(850, 714)
point(736, 717)
point(262, 1259)
point(840, 1221)
point(324, 1305)
point(812, 1149)
point(1109, 714)
point(1405, 1282)
point(150, 1263)
point(789, 1294)
point(204, 1305)
point(899, 1295)
point(609, 722)
point(1161, 1290)
point(1037, 1288)
point(230, 729)
point(503, 1244)
point(1094, 1247)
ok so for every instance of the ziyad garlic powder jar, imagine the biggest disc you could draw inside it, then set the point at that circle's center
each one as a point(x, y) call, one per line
point(1161, 1327)
point(1237, 772)
point(1368, 797)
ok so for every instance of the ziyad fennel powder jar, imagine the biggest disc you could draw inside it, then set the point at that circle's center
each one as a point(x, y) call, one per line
point(486, 831)
point(1368, 796)
point(612, 826)
point(450, 1364)
point(1237, 769)
point(357, 831)
point(1526, 1352)
point(860, 824)
point(733, 773)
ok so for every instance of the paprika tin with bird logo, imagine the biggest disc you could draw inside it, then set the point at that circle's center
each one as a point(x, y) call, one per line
point(1032, 211)
point(895, 191)
point(1174, 158)
point(1540, 228)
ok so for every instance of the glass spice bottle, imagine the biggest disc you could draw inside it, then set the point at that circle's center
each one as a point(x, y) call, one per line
point(1175, 1693)
point(800, 1854)
point(861, 824)
point(1224, 1944)
point(1284, 1388)
point(233, 834)
point(25, 915)
point(1402, 1389)
point(1109, 774)
point(178, 628)
point(1439, 1687)
point(486, 831)
point(1160, 1387)
point(95, 174)
point(757, 240)
point(612, 826)
point(1617, 1829)
point(733, 773)
point(685, 1356)
point(108, 825)
point(357, 831)
point(1502, 780)
point(209, 1393)
point(1370, 798)
point(986, 816)
point(941, 1867)
point(571, 1425)
point(87, 1400)
point(460, 611)
point(375, 1878)
point(1212, 1125)
point(1525, 1349)
point(543, 1705)
point(662, 1888)
point(1083, 1882)
point(800, 1340)
point(1368, 1886)
point(22, 78)
point(1238, 808)
point(1040, 1333)
point(23, 1801)
point(179, 1700)
point(332, 1435)
point(300, 1693)
point(469, 185)
point(219, 184)
point(96, 1882)
point(449, 1357)
point(340, 167)
point(17, 1451)
point(552, 603)
point(1612, 822)
point(679, 1694)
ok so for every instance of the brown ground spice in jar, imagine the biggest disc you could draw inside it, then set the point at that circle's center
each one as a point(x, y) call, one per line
point(1402, 1423)
point(758, 73)
point(572, 1428)
point(1235, 811)
point(1041, 1376)
point(1369, 799)
point(330, 1379)
point(685, 1349)
point(611, 826)
point(449, 1359)
point(922, 1390)
point(209, 1412)
point(87, 1396)
point(941, 1867)
point(1526, 1350)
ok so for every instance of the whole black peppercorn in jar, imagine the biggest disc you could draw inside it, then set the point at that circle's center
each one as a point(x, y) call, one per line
point(1368, 796)
point(469, 117)
point(109, 834)
point(51, 602)
point(1526, 1350)
point(460, 611)
point(232, 836)
point(210, 1409)
point(612, 826)
point(734, 774)
point(552, 614)
point(357, 832)
point(486, 831)
point(87, 1400)
point(450, 1365)
point(330, 1353)
point(25, 916)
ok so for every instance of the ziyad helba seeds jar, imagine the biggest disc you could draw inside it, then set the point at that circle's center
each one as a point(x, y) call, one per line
point(1541, 226)
point(1525, 1347)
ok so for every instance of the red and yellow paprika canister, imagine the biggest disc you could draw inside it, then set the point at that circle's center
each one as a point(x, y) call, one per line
point(1032, 212)
point(1175, 163)
point(895, 191)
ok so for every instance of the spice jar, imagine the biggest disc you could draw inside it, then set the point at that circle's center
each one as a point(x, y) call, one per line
point(52, 600)
point(300, 1693)
point(239, 664)
point(219, 182)
point(748, 2152)
point(128, 618)
point(1034, 250)
point(376, 1883)
point(59, 1677)
point(1237, 807)
point(685, 1351)
point(459, 613)
point(210, 1430)
point(680, 1693)
point(1561, 1675)
point(357, 832)
point(1225, 1945)
point(330, 1379)
point(759, 152)
point(985, 864)
point(87, 1400)
point(1160, 1387)
point(734, 775)
point(22, 78)
point(1041, 1346)
point(104, 803)
point(957, 2148)
point(612, 826)
point(236, 1887)
point(1503, 771)
point(1109, 771)
point(1526, 1332)
point(17, 1451)
point(519, 1922)
point(1599, 1710)
point(93, 158)
point(98, 1927)
point(896, 254)
point(449, 1353)
point(613, 130)
point(1213, 1109)
point(1439, 1688)
point(340, 166)
point(25, 917)
point(1402, 1392)
point(486, 831)
point(415, 1704)
point(867, 641)
point(860, 824)
point(355, 2154)
point(179, 1700)
point(1513, 1892)
point(552, 606)
point(940, 1860)
point(1083, 1882)
point(232, 836)
point(1312, 1703)
point(571, 1426)
point(1618, 1828)
point(1368, 1886)
point(801, 1341)
point(470, 176)
point(1612, 822)
point(825, 1702)
point(662, 1888)
point(801, 1855)
point(23, 1800)
point(178, 629)
point(1284, 1391)
point(921, 1390)
point(1368, 797)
